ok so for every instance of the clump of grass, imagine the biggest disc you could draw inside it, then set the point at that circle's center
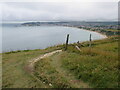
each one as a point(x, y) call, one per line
point(13, 52)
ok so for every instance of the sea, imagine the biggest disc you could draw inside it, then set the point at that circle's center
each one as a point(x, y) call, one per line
point(15, 36)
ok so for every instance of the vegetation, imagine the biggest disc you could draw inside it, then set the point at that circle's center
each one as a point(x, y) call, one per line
point(14, 74)
point(49, 75)
point(108, 32)
point(92, 67)
point(97, 65)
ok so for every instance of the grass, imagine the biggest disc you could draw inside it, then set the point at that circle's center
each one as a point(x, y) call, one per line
point(0, 70)
point(95, 67)
point(50, 71)
point(13, 72)
point(113, 30)
point(49, 75)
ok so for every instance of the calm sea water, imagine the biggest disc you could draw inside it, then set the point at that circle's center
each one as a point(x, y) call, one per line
point(15, 37)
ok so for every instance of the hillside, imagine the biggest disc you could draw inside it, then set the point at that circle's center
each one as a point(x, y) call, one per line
point(91, 67)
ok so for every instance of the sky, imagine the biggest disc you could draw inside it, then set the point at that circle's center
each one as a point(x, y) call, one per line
point(59, 11)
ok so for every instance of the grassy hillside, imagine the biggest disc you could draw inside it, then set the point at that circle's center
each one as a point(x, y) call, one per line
point(98, 66)
point(92, 67)
point(14, 74)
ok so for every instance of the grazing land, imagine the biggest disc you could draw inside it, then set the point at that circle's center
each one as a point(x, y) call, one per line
point(91, 67)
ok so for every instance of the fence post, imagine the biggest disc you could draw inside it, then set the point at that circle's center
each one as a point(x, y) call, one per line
point(67, 42)
point(90, 41)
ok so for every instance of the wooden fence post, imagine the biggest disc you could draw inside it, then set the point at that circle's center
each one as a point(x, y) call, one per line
point(67, 42)
point(90, 41)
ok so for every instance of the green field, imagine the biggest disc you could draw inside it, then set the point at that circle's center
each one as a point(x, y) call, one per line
point(95, 67)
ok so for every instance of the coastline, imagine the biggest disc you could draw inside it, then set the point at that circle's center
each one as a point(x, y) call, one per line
point(104, 36)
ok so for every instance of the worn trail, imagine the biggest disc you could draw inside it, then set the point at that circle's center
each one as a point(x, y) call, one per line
point(56, 62)
point(30, 66)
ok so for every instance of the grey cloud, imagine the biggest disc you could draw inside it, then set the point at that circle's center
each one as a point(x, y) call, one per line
point(59, 11)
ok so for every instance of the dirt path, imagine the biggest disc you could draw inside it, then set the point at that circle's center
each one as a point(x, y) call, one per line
point(30, 66)
point(56, 62)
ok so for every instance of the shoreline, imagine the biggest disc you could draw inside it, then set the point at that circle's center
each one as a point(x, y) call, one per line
point(104, 37)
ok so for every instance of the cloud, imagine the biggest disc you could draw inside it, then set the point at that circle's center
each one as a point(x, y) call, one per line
point(45, 11)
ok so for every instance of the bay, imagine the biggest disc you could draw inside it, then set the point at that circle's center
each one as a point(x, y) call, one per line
point(40, 37)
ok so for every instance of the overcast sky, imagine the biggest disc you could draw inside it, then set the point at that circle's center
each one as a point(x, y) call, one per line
point(59, 11)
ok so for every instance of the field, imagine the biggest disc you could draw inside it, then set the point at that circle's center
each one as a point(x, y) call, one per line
point(92, 67)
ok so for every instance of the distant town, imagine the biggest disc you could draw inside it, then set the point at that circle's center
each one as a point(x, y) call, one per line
point(108, 28)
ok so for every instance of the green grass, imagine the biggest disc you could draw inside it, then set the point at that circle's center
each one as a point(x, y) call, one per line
point(92, 67)
point(50, 71)
point(113, 30)
point(97, 66)
point(49, 75)
point(13, 68)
